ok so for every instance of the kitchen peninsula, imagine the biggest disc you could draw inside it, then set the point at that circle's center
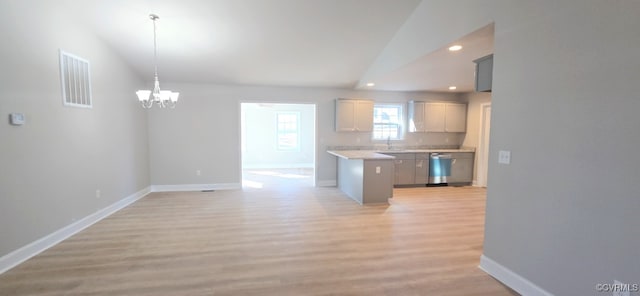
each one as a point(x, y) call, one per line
point(366, 176)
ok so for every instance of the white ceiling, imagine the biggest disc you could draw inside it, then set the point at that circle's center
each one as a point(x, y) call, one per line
point(442, 68)
point(322, 43)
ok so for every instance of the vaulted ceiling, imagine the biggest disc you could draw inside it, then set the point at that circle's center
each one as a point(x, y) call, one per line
point(317, 43)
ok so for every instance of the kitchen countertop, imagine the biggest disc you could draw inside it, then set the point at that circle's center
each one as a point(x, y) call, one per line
point(359, 154)
point(382, 154)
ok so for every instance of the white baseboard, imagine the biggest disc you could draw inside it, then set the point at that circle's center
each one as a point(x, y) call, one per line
point(510, 278)
point(195, 187)
point(20, 255)
point(326, 183)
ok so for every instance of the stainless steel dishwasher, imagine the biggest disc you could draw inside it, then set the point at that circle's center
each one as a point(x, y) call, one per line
point(439, 168)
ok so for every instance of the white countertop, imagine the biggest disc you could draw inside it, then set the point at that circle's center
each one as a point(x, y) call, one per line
point(427, 150)
point(359, 154)
point(382, 154)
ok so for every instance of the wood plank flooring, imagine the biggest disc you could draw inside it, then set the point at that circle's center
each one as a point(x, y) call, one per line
point(286, 241)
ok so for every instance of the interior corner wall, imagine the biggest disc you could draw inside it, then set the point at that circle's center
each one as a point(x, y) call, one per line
point(52, 166)
point(203, 132)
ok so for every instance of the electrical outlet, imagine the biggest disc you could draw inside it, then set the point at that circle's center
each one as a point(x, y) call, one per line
point(198, 173)
point(504, 157)
point(97, 193)
point(377, 170)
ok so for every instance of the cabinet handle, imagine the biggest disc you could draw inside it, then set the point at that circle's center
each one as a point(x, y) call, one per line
point(453, 161)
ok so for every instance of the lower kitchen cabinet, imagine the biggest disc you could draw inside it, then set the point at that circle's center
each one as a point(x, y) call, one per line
point(405, 166)
point(413, 168)
point(461, 167)
point(422, 168)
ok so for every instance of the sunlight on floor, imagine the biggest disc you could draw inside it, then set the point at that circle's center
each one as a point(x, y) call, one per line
point(270, 178)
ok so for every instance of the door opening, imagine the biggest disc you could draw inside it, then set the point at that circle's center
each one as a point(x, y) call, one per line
point(483, 146)
point(278, 145)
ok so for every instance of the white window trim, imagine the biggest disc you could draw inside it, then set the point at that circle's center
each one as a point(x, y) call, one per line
point(297, 147)
point(401, 121)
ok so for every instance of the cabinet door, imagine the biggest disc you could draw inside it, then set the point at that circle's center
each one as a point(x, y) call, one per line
point(404, 171)
point(422, 168)
point(416, 117)
point(484, 73)
point(364, 116)
point(455, 118)
point(345, 115)
point(461, 168)
point(434, 114)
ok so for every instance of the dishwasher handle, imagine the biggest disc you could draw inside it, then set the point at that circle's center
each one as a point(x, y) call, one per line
point(440, 156)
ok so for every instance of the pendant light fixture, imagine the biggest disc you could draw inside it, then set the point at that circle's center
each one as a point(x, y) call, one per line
point(164, 98)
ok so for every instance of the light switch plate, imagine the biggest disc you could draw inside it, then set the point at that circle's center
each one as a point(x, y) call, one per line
point(16, 118)
point(504, 157)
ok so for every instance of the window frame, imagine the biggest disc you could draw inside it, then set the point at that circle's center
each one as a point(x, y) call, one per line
point(282, 132)
point(399, 122)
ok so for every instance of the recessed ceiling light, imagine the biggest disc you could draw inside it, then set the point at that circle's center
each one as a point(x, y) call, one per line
point(455, 47)
point(452, 87)
point(370, 84)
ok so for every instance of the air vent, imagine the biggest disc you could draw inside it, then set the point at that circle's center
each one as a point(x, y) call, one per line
point(75, 79)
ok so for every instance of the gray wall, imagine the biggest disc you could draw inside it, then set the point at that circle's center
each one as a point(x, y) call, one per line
point(51, 167)
point(565, 213)
point(261, 136)
point(203, 133)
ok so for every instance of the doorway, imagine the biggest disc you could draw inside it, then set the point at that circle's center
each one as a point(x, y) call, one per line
point(278, 145)
point(483, 145)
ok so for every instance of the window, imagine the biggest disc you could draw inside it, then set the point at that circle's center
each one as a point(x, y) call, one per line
point(288, 130)
point(387, 121)
point(76, 83)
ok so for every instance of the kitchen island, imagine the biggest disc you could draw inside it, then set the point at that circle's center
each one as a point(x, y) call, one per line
point(365, 176)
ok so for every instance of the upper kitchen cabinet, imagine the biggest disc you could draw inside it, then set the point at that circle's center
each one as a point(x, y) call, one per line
point(455, 118)
point(437, 117)
point(354, 115)
point(484, 73)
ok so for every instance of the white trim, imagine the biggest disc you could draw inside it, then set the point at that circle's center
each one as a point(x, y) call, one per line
point(20, 255)
point(63, 80)
point(195, 187)
point(326, 183)
point(482, 156)
point(510, 278)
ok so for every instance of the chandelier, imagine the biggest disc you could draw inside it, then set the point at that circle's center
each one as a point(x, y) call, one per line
point(164, 98)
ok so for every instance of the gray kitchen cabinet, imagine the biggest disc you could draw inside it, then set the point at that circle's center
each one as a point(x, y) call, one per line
point(461, 167)
point(416, 116)
point(437, 117)
point(422, 168)
point(434, 117)
point(455, 118)
point(354, 115)
point(404, 168)
point(484, 73)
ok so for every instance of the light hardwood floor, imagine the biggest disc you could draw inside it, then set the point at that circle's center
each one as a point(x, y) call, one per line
point(286, 241)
